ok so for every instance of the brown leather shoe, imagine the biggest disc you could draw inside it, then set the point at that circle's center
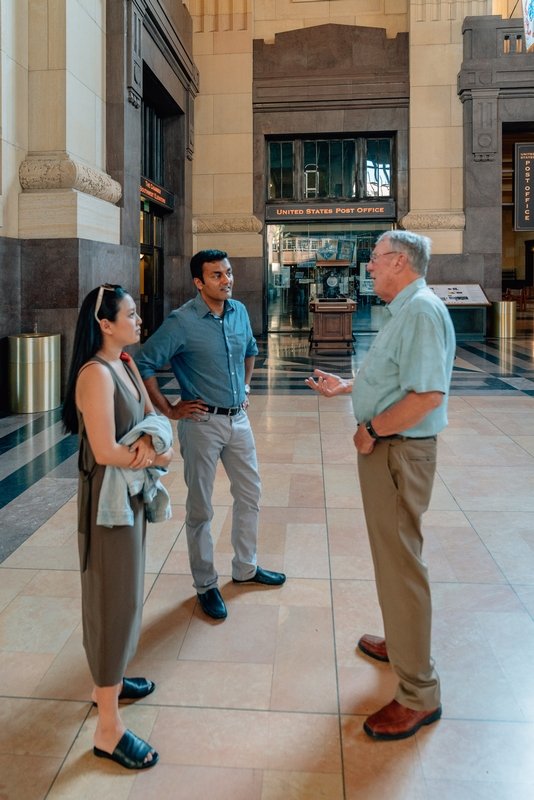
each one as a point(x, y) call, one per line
point(398, 722)
point(373, 646)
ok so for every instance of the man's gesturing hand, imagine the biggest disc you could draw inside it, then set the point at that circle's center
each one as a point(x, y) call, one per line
point(187, 409)
point(329, 385)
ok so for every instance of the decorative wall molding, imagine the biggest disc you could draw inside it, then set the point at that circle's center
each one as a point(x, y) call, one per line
point(216, 16)
point(136, 11)
point(58, 170)
point(442, 10)
point(440, 221)
point(221, 224)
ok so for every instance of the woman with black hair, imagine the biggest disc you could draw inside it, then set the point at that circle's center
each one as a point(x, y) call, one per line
point(105, 399)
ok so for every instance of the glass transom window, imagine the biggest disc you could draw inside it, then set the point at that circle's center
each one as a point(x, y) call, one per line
point(359, 168)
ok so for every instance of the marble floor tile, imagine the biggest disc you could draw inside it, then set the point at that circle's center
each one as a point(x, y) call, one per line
point(68, 676)
point(39, 727)
point(308, 592)
point(306, 491)
point(356, 611)
point(21, 672)
point(365, 686)
point(54, 583)
point(213, 684)
point(376, 770)
point(525, 442)
point(182, 782)
point(38, 624)
point(58, 528)
point(248, 739)
point(306, 551)
point(526, 596)
point(28, 557)
point(304, 674)
point(492, 451)
point(167, 614)
point(471, 750)
point(484, 488)
point(27, 776)
point(12, 581)
point(248, 635)
point(287, 785)
point(478, 790)
point(342, 486)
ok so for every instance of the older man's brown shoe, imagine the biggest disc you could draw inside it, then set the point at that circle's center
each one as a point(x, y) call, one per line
point(373, 646)
point(398, 722)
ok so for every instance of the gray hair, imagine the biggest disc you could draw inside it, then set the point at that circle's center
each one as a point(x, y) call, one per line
point(415, 247)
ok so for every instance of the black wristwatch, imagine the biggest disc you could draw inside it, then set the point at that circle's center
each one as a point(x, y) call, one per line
point(371, 431)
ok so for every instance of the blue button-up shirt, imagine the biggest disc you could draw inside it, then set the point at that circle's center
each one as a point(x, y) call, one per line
point(207, 353)
point(413, 352)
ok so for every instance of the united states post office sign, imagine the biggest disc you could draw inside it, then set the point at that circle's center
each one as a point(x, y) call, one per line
point(287, 212)
point(523, 189)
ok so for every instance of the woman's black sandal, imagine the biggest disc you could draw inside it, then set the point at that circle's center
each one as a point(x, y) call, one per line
point(136, 688)
point(130, 752)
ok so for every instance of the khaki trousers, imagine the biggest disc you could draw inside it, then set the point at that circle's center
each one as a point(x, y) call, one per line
point(396, 481)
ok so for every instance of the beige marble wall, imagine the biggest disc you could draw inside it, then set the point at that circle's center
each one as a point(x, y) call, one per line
point(66, 86)
point(436, 118)
point(222, 163)
point(274, 16)
point(13, 108)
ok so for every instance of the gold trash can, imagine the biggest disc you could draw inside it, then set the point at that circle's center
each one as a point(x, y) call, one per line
point(504, 319)
point(34, 372)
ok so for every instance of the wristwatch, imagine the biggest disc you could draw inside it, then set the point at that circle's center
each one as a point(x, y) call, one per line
point(371, 431)
point(247, 388)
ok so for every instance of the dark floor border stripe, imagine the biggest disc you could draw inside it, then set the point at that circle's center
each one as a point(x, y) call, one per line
point(489, 357)
point(25, 432)
point(513, 353)
point(15, 484)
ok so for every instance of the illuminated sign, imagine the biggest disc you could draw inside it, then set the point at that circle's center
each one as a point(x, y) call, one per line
point(356, 210)
point(524, 171)
point(157, 194)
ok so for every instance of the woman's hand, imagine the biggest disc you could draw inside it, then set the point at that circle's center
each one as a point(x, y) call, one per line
point(164, 459)
point(145, 455)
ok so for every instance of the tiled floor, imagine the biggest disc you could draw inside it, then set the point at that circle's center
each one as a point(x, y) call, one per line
point(269, 704)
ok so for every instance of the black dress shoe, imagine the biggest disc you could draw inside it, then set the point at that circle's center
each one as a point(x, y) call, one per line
point(265, 577)
point(213, 604)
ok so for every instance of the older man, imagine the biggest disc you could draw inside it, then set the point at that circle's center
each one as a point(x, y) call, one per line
point(210, 346)
point(400, 403)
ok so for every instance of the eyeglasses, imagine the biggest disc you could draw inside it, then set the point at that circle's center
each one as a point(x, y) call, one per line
point(106, 287)
point(374, 258)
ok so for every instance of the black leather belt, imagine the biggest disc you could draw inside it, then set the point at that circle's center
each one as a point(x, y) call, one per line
point(409, 438)
point(226, 412)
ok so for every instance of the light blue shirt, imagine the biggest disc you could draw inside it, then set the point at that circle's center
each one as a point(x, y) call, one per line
point(413, 352)
point(207, 353)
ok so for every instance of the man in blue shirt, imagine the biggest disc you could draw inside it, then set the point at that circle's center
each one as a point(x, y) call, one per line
point(399, 398)
point(210, 346)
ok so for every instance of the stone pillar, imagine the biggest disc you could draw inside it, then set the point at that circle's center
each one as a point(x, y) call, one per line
point(66, 191)
point(436, 121)
point(223, 164)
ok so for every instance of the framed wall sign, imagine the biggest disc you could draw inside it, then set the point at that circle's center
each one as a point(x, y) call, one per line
point(471, 294)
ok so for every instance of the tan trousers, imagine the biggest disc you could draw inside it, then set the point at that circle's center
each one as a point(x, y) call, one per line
point(396, 482)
